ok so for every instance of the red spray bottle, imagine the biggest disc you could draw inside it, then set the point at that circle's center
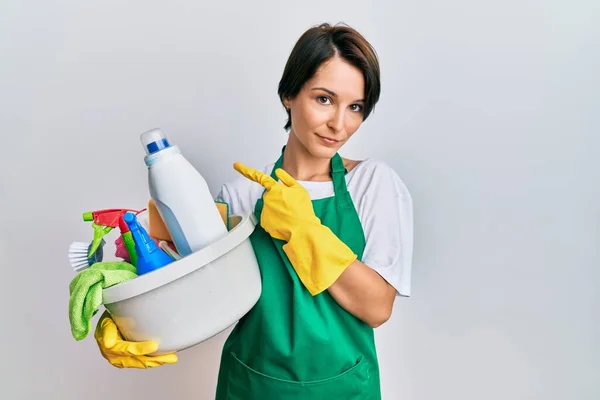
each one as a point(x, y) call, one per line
point(103, 222)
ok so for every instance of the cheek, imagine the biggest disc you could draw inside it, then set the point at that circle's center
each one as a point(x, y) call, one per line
point(353, 123)
point(310, 117)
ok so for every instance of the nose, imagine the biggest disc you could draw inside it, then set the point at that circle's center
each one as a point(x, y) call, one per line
point(336, 120)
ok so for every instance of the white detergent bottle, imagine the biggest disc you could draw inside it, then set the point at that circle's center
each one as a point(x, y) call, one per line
point(181, 194)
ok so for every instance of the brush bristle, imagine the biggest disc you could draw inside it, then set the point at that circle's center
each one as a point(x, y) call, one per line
point(78, 255)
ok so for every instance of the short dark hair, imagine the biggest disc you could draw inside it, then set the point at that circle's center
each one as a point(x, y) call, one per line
point(317, 45)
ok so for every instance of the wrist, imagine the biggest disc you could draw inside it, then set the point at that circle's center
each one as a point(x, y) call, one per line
point(318, 256)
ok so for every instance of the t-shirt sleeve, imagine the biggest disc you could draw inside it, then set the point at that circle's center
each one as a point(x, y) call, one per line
point(240, 194)
point(237, 206)
point(225, 197)
point(387, 218)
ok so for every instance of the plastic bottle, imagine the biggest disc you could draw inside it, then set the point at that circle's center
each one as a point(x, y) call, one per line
point(128, 240)
point(149, 256)
point(181, 194)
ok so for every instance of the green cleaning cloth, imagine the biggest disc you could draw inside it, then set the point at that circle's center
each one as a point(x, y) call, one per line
point(86, 292)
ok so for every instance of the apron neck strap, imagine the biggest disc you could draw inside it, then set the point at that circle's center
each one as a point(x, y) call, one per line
point(338, 176)
point(278, 164)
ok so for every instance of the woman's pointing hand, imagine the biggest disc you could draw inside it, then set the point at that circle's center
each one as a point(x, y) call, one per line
point(287, 205)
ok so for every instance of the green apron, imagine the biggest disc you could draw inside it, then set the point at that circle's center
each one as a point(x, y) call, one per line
point(292, 345)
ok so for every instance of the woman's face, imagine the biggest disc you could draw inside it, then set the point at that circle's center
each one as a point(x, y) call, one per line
point(329, 108)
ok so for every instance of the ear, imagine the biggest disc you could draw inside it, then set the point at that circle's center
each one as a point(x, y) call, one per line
point(286, 103)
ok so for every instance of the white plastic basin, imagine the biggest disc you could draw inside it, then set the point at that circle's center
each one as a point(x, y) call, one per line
point(191, 299)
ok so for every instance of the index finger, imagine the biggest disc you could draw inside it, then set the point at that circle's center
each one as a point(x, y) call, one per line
point(265, 180)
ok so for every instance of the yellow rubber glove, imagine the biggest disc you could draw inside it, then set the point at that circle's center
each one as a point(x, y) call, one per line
point(124, 354)
point(316, 253)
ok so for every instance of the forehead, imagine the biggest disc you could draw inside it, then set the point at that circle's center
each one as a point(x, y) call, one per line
point(340, 77)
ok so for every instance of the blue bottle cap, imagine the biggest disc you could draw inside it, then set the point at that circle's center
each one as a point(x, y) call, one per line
point(154, 141)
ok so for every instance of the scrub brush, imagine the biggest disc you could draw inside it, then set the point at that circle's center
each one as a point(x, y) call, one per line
point(78, 255)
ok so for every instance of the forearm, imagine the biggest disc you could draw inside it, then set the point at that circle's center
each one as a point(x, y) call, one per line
point(361, 291)
point(324, 262)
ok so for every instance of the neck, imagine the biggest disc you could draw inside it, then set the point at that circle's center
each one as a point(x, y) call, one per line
point(302, 165)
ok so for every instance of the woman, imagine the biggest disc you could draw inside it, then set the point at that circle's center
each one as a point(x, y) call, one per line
point(334, 242)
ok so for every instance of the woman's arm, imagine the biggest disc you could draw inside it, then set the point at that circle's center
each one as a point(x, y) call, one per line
point(323, 261)
point(361, 291)
point(368, 289)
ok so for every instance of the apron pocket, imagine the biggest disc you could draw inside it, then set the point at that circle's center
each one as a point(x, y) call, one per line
point(355, 383)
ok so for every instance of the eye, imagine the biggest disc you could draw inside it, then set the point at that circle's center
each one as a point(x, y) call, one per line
point(323, 99)
point(356, 107)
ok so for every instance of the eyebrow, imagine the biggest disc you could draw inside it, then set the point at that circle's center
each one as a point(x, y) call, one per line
point(332, 93)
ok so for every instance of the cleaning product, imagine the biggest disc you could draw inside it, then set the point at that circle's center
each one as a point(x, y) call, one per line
point(149, 256)
point(181, 194)
point(128, 240)
point(103, 221)
point(156, 226)
point(157, 229)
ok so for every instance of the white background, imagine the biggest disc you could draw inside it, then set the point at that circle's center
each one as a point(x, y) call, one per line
point(489, 113)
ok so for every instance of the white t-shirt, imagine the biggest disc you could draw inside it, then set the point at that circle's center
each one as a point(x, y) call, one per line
point(384, 207)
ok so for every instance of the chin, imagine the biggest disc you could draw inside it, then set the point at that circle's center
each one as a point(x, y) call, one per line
point(319, 151)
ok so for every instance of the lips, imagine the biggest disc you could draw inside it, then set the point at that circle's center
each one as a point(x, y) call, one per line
point(328, 140)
